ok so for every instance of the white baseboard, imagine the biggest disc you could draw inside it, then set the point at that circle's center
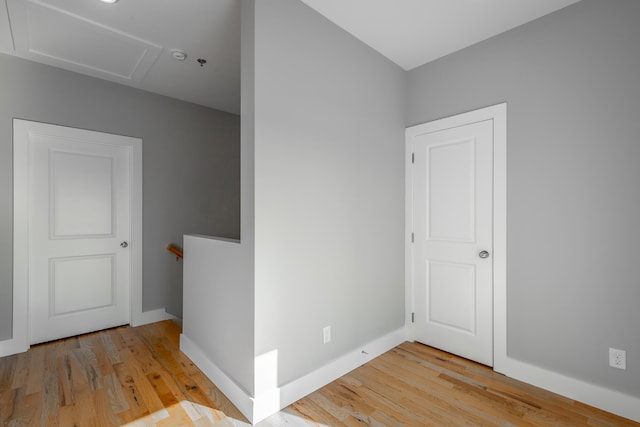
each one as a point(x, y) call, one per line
point(266, 405)
point(238, 396)
point(19, 345)
point(600, 397)
point(13, 346)
point(314, 380)
point(271, 401)
point(152, 316)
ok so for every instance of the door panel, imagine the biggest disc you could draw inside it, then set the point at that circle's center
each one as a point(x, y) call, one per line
point(452, 222)
point(450, 192)
point(451, 295)
point(69, 276)
point(79, 214)
point(81, 195)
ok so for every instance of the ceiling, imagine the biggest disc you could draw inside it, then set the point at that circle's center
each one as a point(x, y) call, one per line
point(132, 41)
point(414, 32)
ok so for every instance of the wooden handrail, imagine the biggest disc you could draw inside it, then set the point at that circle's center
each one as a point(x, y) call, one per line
point(173, 249)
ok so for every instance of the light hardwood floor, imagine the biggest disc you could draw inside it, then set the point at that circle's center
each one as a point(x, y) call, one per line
point(139, 377)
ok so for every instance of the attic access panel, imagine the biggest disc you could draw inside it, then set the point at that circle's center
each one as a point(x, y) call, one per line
point(53, 36)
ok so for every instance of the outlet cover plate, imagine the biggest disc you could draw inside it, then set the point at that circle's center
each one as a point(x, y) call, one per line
point(617, 358)
point(326, 334)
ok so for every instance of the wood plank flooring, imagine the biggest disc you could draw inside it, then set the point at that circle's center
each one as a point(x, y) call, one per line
point(415, 385)
point(138, 377)
point(121, 376)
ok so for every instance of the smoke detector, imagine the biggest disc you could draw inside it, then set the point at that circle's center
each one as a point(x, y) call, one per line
point(178, 55)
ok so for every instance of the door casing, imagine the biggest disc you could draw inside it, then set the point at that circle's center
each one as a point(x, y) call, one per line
point(20, 338)
point(498, 114)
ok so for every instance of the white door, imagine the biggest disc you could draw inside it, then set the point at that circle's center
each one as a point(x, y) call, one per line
point(452, 250)
point(79, 230)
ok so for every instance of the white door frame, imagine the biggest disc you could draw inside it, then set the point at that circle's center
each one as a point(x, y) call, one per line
point(21, 329)
point(498, 114)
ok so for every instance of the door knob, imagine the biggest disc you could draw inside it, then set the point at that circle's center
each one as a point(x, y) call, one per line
point(124, 244)
point(483, 254)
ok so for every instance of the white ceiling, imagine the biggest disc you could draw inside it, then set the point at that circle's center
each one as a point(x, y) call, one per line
point(130, 42)
point(414, 32)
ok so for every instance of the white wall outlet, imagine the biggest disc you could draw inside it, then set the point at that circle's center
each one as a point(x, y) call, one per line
point(326, 334)
point(617, 358)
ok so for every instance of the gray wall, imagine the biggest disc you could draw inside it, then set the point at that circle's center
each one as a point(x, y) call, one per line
point(329, 189)
point(572, 84)
point(190, 161)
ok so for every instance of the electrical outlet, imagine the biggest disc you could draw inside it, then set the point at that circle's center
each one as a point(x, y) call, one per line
point(617, 358)
point(326, 334)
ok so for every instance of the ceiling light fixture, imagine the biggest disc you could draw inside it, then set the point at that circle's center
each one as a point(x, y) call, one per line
point(109, 1)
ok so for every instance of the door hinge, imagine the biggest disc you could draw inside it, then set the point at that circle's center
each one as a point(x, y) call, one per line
point(413, 318)
point(412, 237)
point(413, 157)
